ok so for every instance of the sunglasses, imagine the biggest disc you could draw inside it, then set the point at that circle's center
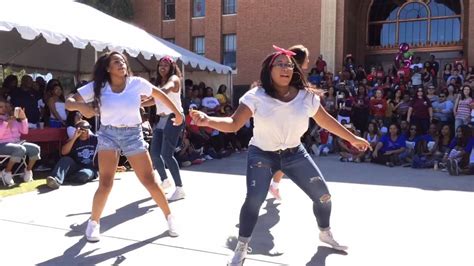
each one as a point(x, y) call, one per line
point(284, 65)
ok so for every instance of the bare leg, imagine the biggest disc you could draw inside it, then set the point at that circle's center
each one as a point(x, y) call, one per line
point(9, 167)
point(30, 165)
point(142, 165)
point(108, 161)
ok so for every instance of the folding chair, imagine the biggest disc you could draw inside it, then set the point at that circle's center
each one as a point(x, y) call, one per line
point(16, 168)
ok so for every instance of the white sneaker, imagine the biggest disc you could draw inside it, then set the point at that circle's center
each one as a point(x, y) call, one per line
point(172, 226)
point(28, 176)
point(208, 157)
point(239, 254)
point(166, 184)
point(178, 194)
point(7, 179)
point(93, 231)
point(326, 237)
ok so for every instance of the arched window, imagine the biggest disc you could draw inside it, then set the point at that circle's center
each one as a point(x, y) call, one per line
point(417, 22)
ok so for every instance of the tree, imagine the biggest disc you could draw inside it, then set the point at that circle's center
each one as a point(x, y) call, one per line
point(121, 9)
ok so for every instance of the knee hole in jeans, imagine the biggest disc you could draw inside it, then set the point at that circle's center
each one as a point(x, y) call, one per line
point(326, 198)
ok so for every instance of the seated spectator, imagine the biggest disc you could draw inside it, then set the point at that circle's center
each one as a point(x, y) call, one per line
point(330, 101)
point(10, 84)
point(77, 163)
point(454, 159)
point(389, 148)
point(221, 96)
point(347, 152)
point(210, 103)
point(72, 118)
point(11, 128)
point(456, 78)
point(195, 98)
point(404, 128)
point(372, 136)
point(185, 153)
point(230, 138)
point(146, 126)
point(245, 134)
point(326, 142)
point(24, 97)
point(443, 109)
point(57, 107)
point(344, 103)
point(411, 144)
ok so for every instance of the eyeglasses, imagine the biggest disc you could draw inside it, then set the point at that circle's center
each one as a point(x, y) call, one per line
point(413, 129)
point(284, 65)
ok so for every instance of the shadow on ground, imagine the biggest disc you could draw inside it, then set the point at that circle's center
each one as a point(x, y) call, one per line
point(356, 173)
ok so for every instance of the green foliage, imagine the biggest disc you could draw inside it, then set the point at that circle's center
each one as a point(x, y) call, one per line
point(121, 9)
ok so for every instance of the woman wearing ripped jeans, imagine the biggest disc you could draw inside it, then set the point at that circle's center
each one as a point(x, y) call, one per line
point(280, 108)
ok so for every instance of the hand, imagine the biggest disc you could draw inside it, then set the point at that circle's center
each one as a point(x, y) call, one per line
point(199, 118)
point(177, 120)
point(388, 153)
point(255, 84)
point(21, 114)
point(11, 121)
point(361, 144)
point(77, 133)
point(375, 154)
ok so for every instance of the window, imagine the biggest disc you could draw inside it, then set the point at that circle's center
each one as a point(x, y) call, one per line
point(169, 11)
point(199, 45)
point(171, 40)
point(418, 22)
point(229, 7)
point(199, 8)
point(230, 50)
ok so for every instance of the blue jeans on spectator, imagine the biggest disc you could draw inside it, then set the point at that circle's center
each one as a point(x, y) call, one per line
point(66, 169)
point(163, 144)
point(295, 163)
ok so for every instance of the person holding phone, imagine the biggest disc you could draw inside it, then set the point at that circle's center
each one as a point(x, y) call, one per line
point(77, 164)
point(11, 128)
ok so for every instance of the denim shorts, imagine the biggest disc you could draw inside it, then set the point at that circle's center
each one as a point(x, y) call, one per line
point(128, 140)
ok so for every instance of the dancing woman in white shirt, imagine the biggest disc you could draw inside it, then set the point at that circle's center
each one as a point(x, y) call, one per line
point(117, 96)
point(280, 108)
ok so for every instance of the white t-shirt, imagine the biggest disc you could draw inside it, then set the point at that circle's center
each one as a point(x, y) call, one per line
point(210, 102)
point(119, 109)
point(175, 97)
point(279, 125)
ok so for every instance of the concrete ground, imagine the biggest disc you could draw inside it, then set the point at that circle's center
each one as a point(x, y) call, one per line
point(387, 216)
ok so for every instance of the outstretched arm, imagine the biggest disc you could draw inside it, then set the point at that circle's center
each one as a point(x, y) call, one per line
point(328, 122)
point(223, 124)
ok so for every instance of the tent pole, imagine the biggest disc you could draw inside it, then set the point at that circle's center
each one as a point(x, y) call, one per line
point(184, 78)
point(78, 66)
point(231, 89)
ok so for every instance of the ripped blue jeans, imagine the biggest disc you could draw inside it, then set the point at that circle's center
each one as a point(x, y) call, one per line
point(298, 165)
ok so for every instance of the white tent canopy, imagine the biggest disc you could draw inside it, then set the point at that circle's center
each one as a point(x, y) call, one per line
point(195, 60)
point(64, 36)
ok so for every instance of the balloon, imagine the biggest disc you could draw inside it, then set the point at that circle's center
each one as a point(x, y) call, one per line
point(408, 54)
point(407, 63)
point(404, 47)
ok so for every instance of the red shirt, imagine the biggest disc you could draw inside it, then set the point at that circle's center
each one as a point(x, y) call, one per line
point(320, 65)
point(378, 107)
point(421, 108)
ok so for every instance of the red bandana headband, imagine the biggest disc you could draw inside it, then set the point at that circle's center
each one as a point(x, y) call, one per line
point(167, 58)
point(281, 51)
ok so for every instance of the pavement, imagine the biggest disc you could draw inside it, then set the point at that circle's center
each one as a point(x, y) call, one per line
point(387, 216)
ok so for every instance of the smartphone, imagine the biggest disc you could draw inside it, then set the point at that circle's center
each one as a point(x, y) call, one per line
point(16, 112)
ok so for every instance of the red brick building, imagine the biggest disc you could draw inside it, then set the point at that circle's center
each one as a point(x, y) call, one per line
point(241, 32)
